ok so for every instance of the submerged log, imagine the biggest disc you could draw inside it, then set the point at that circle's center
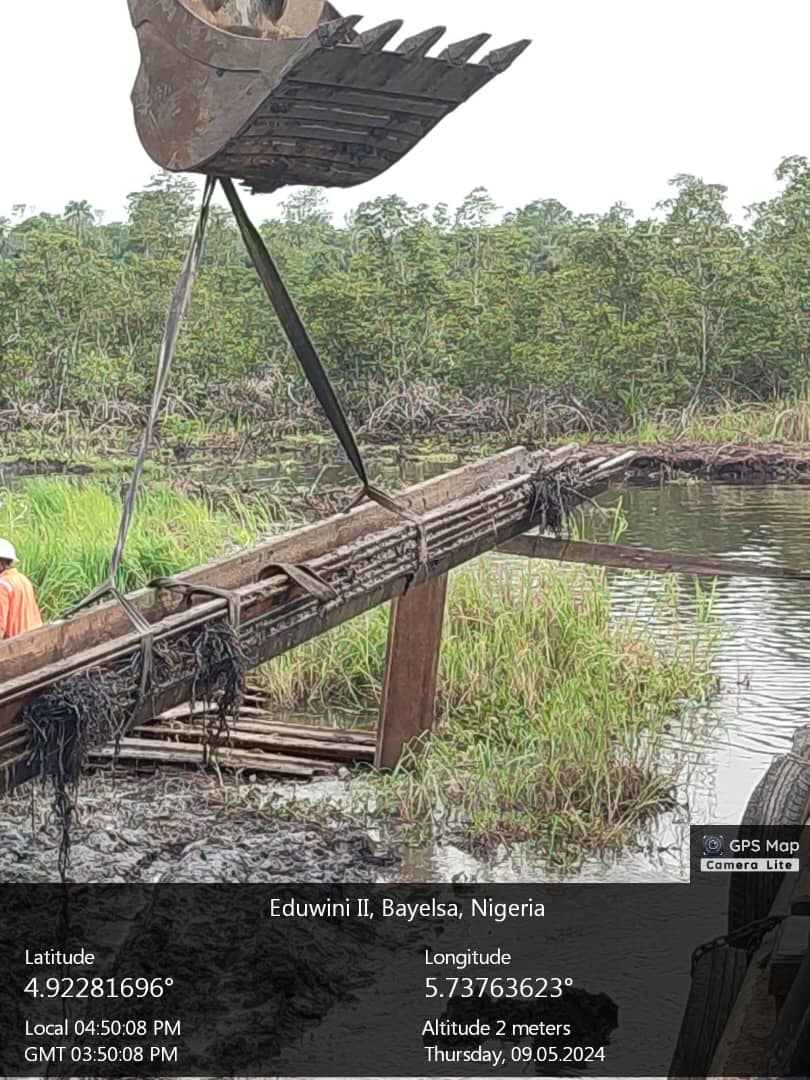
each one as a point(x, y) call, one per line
point(367, 557)
point(632, 558)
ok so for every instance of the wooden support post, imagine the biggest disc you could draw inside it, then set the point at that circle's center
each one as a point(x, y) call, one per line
point(411, 668)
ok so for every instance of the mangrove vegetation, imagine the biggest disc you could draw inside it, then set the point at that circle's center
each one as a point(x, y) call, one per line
point(432, 321)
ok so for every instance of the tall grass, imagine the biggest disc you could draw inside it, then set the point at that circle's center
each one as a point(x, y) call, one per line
point(551, 715)
point(64, 532)
point(786, 421)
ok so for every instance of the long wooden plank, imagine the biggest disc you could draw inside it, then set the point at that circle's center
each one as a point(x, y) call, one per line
point(631, 558)
point(259, 598)
point(241, 739)
point(264, 720)
point(31, 652)
point(258, 726)
point(190, 754)
point(409, 688)
point(255, 599)
point(364, 741)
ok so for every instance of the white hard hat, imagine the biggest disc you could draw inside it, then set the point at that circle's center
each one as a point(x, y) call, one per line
point(7, 550)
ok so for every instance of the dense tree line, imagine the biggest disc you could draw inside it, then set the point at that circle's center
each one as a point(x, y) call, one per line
point(607, 315)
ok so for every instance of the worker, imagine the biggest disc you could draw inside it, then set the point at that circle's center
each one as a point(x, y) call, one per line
point(19, 612)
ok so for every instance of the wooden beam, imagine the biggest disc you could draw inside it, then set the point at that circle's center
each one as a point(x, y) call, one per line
point(274, 741)
point(499, 503)
point(136, 751)
point(31, 652)
point(459, 527)
point(409, 689)
point(632, 558)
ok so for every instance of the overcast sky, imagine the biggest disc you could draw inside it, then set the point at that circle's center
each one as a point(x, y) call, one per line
point(613, 98)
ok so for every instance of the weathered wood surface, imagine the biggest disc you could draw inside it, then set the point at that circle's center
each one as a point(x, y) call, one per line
point(256, 741)
point(409, 688)
point(156, 752)
point(106, 622)
point(751, 1023)
point(263, 737)
point(632, 558)
point(368, 557)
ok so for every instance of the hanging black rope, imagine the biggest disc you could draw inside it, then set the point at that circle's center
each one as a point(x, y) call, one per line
point(311, 363)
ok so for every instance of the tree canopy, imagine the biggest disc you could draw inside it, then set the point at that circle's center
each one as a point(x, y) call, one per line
point(608, 313)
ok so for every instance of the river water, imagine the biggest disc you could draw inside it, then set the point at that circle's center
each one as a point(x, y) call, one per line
point(761, 658)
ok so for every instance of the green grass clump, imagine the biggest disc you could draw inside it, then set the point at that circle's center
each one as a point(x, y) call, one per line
point(65, 531)
point(786, 421)
point(551, 715)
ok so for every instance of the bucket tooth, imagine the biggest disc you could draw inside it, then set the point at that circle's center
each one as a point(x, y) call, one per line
point(418, 46)
point(462, 51)
point(500, 59)
point(378, 37)
point(338, 31)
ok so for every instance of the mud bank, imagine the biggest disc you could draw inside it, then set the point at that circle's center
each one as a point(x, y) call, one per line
point(173, 829)
point(740, 463)
point(20, 467)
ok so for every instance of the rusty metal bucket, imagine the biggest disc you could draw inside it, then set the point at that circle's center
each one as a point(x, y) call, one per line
point(276, 92)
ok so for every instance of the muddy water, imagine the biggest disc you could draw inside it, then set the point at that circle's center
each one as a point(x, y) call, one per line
point(762, 659)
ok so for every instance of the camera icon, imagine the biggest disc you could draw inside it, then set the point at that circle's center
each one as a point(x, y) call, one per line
point(713, 846)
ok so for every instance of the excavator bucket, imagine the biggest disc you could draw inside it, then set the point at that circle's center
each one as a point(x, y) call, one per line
point(277, 92)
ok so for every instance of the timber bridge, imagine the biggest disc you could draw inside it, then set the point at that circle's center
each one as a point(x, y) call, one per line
point(273, 93)
point(205, 628)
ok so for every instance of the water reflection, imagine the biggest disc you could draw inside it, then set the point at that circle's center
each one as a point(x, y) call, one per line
point(762, 661)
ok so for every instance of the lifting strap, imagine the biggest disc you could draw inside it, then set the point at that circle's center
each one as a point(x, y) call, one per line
point(295, 330)
point(318, 379)
point(174, 320)
point(308, 579)
point(312, 366)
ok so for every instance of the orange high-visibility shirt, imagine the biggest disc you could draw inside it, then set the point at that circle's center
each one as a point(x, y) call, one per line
point(19, 612)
